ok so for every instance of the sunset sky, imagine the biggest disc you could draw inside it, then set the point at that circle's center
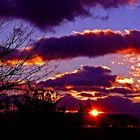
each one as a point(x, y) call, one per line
point(97, 42)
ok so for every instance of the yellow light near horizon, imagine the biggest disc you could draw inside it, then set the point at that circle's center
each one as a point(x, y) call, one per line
point(94, 112)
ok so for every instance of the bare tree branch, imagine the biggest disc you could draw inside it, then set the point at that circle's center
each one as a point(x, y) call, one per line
point(16, 62)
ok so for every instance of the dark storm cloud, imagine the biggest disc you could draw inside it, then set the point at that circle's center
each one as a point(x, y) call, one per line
point(86, 76)
point(88, 44)
point(50, 13)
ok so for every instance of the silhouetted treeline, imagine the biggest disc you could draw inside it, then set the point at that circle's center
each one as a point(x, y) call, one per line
point(24, 109)
point(29, 116)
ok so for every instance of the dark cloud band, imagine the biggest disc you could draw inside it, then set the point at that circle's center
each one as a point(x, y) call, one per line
point(89, 44)
point(50, 13)
point(86, 76)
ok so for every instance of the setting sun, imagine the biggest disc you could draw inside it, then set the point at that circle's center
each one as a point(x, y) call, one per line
point(94, 112)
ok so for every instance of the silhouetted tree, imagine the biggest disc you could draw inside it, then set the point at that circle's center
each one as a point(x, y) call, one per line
point(17, 61)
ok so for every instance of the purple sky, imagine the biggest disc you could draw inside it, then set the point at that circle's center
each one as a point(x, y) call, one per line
point(60, 20)
point(119, 19)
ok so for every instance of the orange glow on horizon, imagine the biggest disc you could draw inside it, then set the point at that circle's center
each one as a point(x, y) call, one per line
point(71, 111)
point(95, 112)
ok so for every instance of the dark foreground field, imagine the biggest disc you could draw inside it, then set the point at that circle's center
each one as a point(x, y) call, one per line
point(72, 133)
point(48, 127)
point(40, 122)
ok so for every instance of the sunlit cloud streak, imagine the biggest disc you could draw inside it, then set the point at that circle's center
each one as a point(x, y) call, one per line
point(50, 13)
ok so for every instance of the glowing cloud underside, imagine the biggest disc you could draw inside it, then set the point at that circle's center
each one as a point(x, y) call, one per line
point(91, 82)
point(36, 60)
